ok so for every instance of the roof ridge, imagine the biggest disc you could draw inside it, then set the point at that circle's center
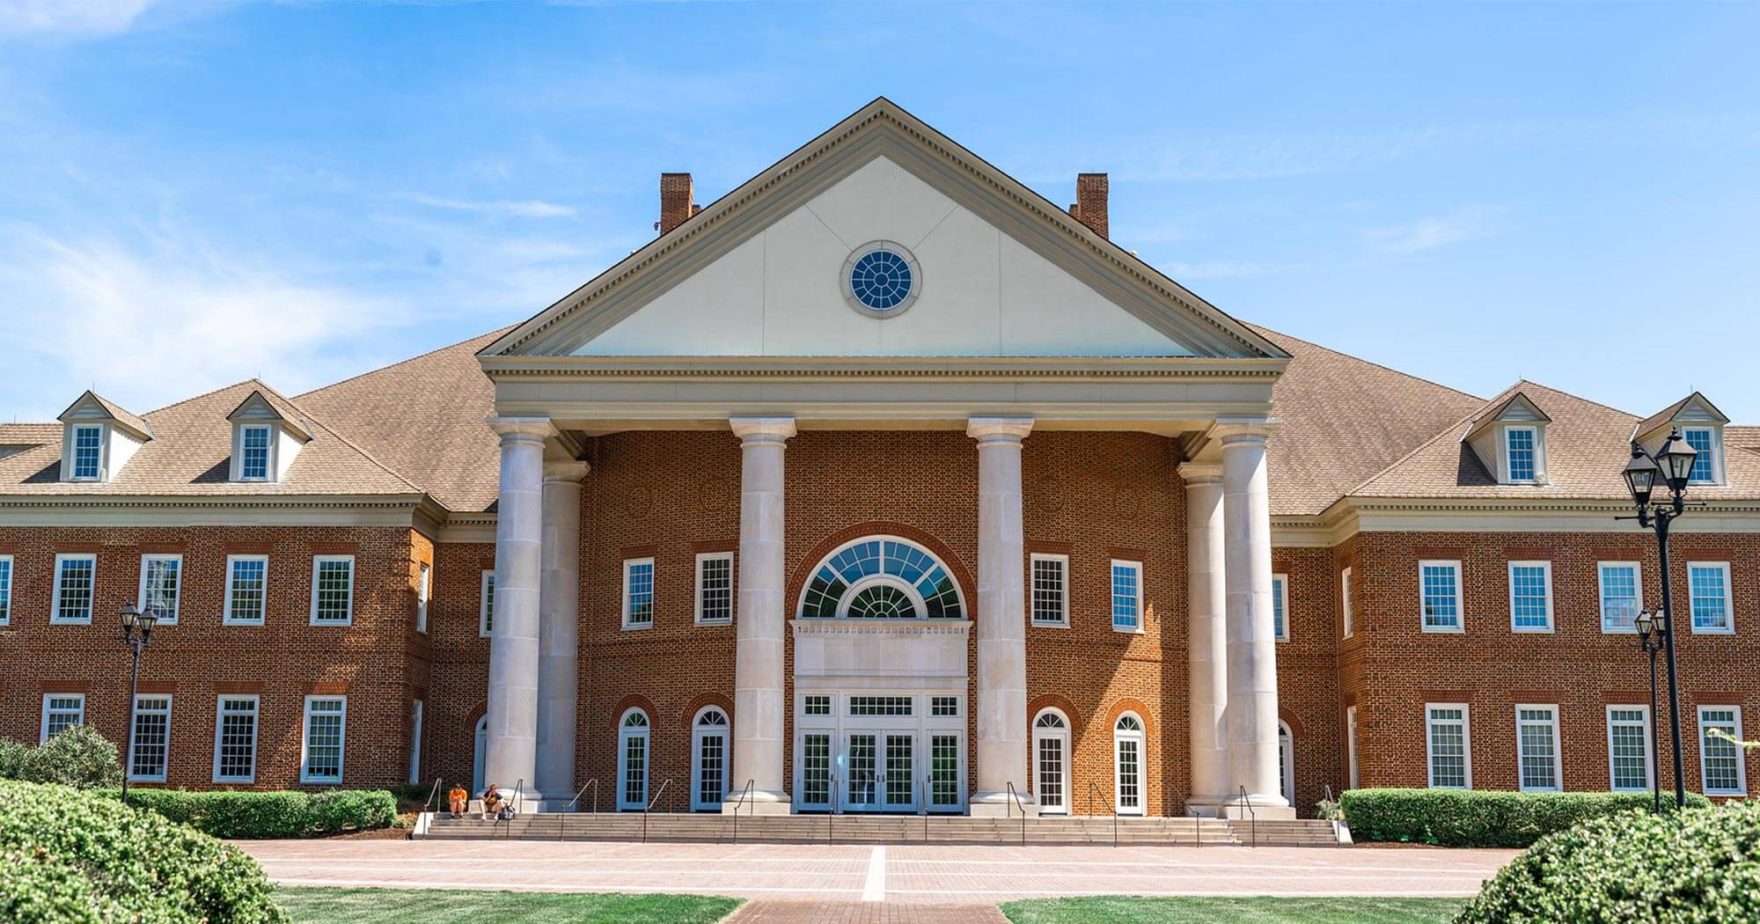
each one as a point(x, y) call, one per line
point(1268, 332)
point(206, 394)
point(404, 362)
point(1574, 396)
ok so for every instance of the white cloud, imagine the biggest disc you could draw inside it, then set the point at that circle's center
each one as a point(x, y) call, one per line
point(1463, 224)
point(78, 17)
point(520, 208)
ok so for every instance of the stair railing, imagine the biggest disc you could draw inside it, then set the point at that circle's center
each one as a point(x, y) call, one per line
point(433, 794)
point(743, 796)
point(831, 810)
point(517, 800)
point(1017, 801)
point(574, 804)
point(650, 804)
point(1094, 790)
point(1253, 817)
point(923, 788)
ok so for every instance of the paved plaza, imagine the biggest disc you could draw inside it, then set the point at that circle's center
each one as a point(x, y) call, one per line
point(876, 883)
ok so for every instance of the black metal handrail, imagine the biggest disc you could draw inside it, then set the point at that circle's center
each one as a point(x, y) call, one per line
point(1017, 801)
point(516, 800)
point(433, 794)
point(1094, 790)
point(1252, 816)
point(743, 796)
point(657, 794)
point(831, 810)
point(573, 805)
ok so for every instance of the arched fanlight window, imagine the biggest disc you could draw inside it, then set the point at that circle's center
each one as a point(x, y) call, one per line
point(632, 761)
point(881, 577)
point(1050, 720)
point(711, 716)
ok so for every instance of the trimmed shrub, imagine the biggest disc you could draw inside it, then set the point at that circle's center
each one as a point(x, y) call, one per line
point(1471, 818)
point(352, 810)
point(1701, 866)
point(81, 856)
point(236, 814)
point(78, 757)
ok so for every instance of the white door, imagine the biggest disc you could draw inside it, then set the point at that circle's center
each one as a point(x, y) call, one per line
point(632, 761)
point(1051, 763)
point(1286, 762)
point(481, 747)
point(882, 771)
point(709, 761)
point(1127, 765)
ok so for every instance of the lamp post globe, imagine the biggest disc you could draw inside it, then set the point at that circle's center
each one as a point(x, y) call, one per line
point(1676, 459)
point(1640, 475)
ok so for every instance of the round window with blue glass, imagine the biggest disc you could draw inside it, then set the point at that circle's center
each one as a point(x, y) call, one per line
point(881, 279)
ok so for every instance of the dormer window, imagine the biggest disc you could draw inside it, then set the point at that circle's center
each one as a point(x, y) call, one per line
point(98, 438)
point(255, 443)
point(1510, 439)
point(1519, 454)
point(1700, 424)
point(88, 453)
point(1707, 463)
point(267, 433)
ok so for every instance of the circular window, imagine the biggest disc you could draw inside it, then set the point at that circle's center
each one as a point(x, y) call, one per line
point(881, 279)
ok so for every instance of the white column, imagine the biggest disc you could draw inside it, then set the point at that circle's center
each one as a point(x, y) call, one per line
point(759, 708)
point(1001, 709)
point(1252, 643)
point(513, 649)
point(559, 599)
point(1206, 637)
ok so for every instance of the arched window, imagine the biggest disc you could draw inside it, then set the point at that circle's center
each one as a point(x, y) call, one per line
point(709, 760)
point(881, 577)
point(1127, 764)
point(632, 761)
point(1286, 761)
point(480, 748)
point(1051, 762)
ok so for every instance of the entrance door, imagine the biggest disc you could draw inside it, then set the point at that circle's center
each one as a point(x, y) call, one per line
point(1051, 762)
point(709, 761)
point(881, 772)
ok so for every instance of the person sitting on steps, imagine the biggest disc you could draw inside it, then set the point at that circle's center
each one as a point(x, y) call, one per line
point(491, 801)
point(457, 799)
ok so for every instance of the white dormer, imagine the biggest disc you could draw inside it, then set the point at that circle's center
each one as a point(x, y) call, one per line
point(1700, 423)
point(267, 434)
point(98, 438)
point(1511, 440)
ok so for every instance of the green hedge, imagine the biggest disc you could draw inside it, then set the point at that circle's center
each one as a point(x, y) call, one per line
point(1467, 818)
point(271, 814)
point(1702, 866)
point(73, 856)
point(78, 757)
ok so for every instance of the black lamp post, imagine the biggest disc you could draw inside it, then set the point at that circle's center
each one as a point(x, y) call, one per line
point(1652, 626)
point(133, 620)
point(1672, 464)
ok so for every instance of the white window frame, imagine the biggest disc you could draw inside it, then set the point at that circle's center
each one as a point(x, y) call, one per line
point(1280, 607)
point(1601, 594)
point(1344, 590)
point(227, 616)
point(43, 727)
point(416, 710)
point(629, 565)
point(1140, 735)
point(55, 617)
point(1060, 734)
point(73, 451)
point(1729, 600)
point(485, 603)
point(134, 716)
point(1648, 736)
point(424, 590)
point(1112, 595)
point(1460, 610)
point(1062, 563)
point(1557, 748)
point(305, 741)
point(1430, 722)
point(1741, 754)
point(141, 593)
point(317, 562)
point(1350, 743)
point(220, 727)
point(732, 597)
point(268, 454)
point(700, 731)
point(1286, 752)
point(1716, 451)
point(1509, 468)
point(1551, 619)
point(7, 570)
point(624, 734)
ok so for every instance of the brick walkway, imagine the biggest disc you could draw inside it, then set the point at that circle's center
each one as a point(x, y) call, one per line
point(858, 883)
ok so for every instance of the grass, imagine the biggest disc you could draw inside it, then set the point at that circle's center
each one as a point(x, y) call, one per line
point(1259, 910)
point(447, 906)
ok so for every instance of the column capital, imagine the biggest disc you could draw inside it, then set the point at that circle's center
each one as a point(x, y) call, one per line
point(762, 429)
point(999, 429)
point(572, 471)
point(515, 429)
point(1230, 430)
point(1201, 472)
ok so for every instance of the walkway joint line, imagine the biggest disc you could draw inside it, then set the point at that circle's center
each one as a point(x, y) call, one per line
point(875, 890)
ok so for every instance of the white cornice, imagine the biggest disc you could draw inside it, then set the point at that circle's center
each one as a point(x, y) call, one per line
point(505, 368)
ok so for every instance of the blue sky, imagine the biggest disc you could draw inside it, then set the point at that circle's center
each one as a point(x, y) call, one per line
point(195, 192)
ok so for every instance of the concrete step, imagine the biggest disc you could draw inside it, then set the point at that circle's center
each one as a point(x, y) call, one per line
point(1305, 832)
point(859, 829)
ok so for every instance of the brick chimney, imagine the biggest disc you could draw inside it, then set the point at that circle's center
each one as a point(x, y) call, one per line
point(1090, 204)
point(675, 200)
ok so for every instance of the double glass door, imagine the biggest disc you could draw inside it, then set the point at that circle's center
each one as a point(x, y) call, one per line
point(881, 772)
point(892, 753)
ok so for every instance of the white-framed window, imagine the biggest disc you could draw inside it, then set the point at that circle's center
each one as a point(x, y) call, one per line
point(1521, 454)
point(1344, 592)
point(1629, 761)
point(1622, 595)
point(710, 757)
point(1286, 761)
point(486, 605)
point(88, 453)
point(1537, 748)
point(1280, 607)
point(1450, 745)
point(247, 590)
point(638, 593)
point(255, 446)
point(1128, 760)
point(714, 587)
point(75, 578)
point(62, 711)
point(161, 586)
point(1127, 596)
point(1440, 595)
point(416, 716)
point(332, 590)
point(1722, 767)
point(5, 590)
point(1709, 462)
point(424, 587)
point(1708, 589)
point(149, 743)
point(1530, 596)
point(1051, 762)
point(1049, 577)
point(326, 731)
point(632, 761)
point(235, 738)
point(1350, 744)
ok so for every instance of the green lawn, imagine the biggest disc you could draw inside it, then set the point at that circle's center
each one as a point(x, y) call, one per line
point(1126, 910)
point(446, 906)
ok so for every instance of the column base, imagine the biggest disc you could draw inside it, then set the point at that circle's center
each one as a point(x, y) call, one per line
point(1205, 806)
point(1002, 805)
point(1273, 808)
point(760, 803)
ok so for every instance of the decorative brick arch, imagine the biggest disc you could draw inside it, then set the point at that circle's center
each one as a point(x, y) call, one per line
point(803, 571)
point(1131, 704)
point(1046, 701)
point(1294, 721)
point(631, 701)
point(478, 713)
point(689, 717)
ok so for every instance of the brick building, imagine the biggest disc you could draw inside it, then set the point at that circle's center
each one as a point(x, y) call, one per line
point(879, 484)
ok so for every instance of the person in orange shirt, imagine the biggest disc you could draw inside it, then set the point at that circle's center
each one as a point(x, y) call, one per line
point(458, 797)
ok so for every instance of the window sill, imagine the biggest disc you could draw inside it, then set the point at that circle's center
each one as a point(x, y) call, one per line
point(1051, 625)
point(1617, 630)
point(1699, 631)
point(1444, 630)
point(635, 626)
point(333, 623)
point(1122, 630)
point(714, 622)
point(1531, 630)
point(70, 622)
point(243, 623)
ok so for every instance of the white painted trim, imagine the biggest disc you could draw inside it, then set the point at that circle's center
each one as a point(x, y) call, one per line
point(256, 733)
point(226, 616)
point(43, 726)
point(1460, 603)
point(1280, 601)
point(55, 618)
point(1286, 746)
point(1347, 609)
point(318, 560)
point(8, 575)
point(1350, 742)
point(1061, 735)
point(1503, 454)
point(1112, 595)
point(732, 589)
point(305, 740)
point(141, 585)
point(1551, 618)
point(1741, 755)
point(485, 602)
point(270, 467)
point(1601, 594)
point(1557, 749)
point(416, 709)
point(1466, 722)
point(1729, 599)
point(1718, 474)
point(699, 732)
point(1649, 752)
point(424, 588)
point(1140, 736)
point(71, 457)
point(1062, 561)
point(625, 734)
point(134, 715)
point(630, 564)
